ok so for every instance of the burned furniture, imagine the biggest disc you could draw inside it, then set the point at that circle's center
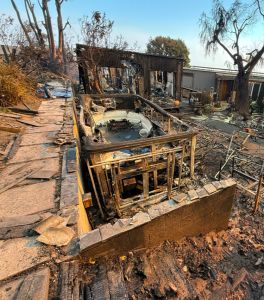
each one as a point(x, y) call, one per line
point(126, 68)
point(135, 152)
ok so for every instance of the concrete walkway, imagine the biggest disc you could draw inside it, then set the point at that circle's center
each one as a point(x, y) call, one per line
point(30, 188)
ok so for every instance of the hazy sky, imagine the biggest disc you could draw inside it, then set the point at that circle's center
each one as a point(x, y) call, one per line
point(138, 20)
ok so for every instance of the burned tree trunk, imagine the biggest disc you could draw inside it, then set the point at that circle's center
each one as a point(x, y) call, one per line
point(61, 55)
point(95, 83)
point(49, 29)
point(242, 96)
point(34, 25)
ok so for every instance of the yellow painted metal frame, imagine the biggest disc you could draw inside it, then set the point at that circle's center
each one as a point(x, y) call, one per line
point(83, 224)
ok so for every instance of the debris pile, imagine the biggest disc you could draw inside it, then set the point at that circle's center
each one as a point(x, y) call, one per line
point(224, 265)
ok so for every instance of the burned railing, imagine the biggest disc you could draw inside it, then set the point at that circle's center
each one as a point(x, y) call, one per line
point(110, 177)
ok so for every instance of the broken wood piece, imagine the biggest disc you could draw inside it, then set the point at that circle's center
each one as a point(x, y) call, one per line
point(43, 174)
point(8, 147)
point(244, 174)
point(245, 140)
point(10, 129)
point(14, 146)
point(230, 144)
point(17, 181)
point(257, 197)
point(13, 116)
point(23, 111)
point(68, 280)
point(31, 123)
point(29, 108)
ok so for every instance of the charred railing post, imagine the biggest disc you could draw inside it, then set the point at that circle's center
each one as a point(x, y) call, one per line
point(155, 173)
point(193, 146)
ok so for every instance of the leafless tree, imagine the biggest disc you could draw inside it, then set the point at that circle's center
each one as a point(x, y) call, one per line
point(22, 24)
point(38, 42)
point(30, 9)
point(224, 28)
point(97, 33)
point(61, 52)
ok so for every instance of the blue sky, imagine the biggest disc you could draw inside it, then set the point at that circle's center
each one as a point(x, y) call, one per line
point(139, 20)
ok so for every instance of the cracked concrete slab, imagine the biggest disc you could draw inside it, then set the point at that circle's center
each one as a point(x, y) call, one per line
point(28, 199)
point(49, 127)
point(18, 255)
point(29, 153)
point(49, 164)
point(37, 138)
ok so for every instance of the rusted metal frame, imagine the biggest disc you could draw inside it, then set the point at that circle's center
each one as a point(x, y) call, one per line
point(94, 188)
point(153, 105)
point(102, 180)
point(120, 180)
point(155, 173)
point(181, 165)
point(171, 173)
point(137, 157)
point(117, 197)
point(192, 154)
point(168, 172)
point(145, 176)
point(95, 148)
point(139, 171)
point(131, 201)
point(107, 180)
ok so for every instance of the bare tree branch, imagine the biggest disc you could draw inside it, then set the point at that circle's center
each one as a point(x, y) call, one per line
point(21, 22)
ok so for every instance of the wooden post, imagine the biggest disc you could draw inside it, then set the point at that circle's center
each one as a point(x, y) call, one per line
point(193, 145)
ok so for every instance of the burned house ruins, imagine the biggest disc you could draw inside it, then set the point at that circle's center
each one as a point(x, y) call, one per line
point(128, 72)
